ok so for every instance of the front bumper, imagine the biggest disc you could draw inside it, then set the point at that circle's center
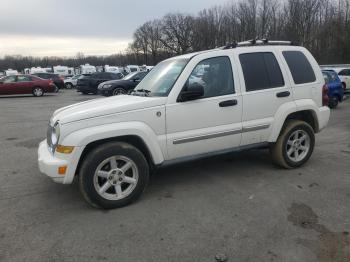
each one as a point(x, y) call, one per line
point(49, 164)
point(104, 92)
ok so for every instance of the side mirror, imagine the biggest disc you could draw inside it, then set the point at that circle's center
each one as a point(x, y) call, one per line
point(191, 92)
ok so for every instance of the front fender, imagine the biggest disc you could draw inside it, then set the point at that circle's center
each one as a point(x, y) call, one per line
point(83, 137)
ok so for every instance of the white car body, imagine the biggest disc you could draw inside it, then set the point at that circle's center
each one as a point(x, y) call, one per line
point(72, 80)
point(172, 130)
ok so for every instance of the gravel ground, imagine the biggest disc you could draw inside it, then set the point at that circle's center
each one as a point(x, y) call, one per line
point(236, 207)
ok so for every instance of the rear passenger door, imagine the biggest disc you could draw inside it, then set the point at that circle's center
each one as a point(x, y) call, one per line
point(265, 89)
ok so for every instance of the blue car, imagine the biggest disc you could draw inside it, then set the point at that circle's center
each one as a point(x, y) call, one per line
point(335, 88)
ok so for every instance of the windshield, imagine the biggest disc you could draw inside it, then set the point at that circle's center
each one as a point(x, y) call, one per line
point(130, 76)
point(161, 79)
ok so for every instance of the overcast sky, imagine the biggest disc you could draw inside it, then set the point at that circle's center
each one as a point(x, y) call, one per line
point(65, 27)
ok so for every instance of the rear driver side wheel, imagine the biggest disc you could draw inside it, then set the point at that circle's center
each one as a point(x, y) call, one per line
point(294, 146)
point(38, 91)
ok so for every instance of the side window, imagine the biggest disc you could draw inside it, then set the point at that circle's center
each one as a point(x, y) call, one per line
point(216, 77)
point(300, 67)
point(24, 79)
point(261, 71)
point(347, 72)
point(342, 72)
point(10, 79)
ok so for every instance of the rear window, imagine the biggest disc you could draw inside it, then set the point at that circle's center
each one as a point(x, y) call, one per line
point(299, 67)
point(261, 71)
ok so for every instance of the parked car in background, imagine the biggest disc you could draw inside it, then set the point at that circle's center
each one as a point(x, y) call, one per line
point(71, 82)
point(122, 86)
point(25, 84)
point(344, 75)
point(335, 88)
point(57, 79)
point(88, 84)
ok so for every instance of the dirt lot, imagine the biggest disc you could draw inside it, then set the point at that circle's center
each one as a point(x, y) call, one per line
point(238, 205)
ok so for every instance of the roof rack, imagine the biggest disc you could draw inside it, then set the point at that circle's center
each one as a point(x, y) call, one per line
point(257, 42)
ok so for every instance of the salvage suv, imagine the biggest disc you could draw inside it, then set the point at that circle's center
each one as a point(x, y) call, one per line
point(246, 95)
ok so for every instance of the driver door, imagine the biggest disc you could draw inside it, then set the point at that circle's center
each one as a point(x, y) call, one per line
point(8, 85)
point(211, 122)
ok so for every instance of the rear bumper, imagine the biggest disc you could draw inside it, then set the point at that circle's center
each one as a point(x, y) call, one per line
point(323, 117)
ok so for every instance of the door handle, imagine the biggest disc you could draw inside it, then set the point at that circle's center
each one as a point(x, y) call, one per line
point(283, 94)
point(228, 103)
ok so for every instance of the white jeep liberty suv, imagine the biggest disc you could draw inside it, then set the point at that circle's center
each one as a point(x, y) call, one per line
point(244, 95)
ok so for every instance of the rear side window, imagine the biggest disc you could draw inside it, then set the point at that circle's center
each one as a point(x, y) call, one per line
point(344, 72)
point(300, 67)
point(261, 71)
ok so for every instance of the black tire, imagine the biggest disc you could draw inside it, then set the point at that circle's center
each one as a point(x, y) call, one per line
point(69, 85)
point(38, 91)
point(119, 91)
point(95, 158)
point(84, 92)
point(279, 149)
point(333, 103)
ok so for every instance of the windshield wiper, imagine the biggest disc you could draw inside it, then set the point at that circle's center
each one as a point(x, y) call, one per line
point(142, 92)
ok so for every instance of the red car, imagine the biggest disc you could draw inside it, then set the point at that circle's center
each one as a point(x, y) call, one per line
point(26, 84)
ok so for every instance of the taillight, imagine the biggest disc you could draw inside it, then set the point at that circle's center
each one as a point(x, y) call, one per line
point(325, 98)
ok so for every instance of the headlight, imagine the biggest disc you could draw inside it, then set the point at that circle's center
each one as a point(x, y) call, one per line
point(106, 86)
point(53, 136)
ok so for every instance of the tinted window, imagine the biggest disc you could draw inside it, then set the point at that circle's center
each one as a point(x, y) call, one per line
point(116, 76)
point(24, 79)
point(261, 71)
point(344, 72)
point(300, 67)
point(217, 78)
point(9, 79)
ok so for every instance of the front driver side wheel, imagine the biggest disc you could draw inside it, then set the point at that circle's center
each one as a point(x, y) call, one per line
point(294, 146)
point(119, 91)
point(113, 175)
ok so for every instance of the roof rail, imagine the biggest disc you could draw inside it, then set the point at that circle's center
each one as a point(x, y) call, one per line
point(257, 42)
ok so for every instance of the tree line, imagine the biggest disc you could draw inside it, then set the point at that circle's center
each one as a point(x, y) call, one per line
point(322, 26)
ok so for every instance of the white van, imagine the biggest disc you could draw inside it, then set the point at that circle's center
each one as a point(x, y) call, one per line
point(113, 69)
point(63, 70)
point(11, 72)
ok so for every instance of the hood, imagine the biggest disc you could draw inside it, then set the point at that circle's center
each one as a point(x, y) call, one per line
point(105, 106)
